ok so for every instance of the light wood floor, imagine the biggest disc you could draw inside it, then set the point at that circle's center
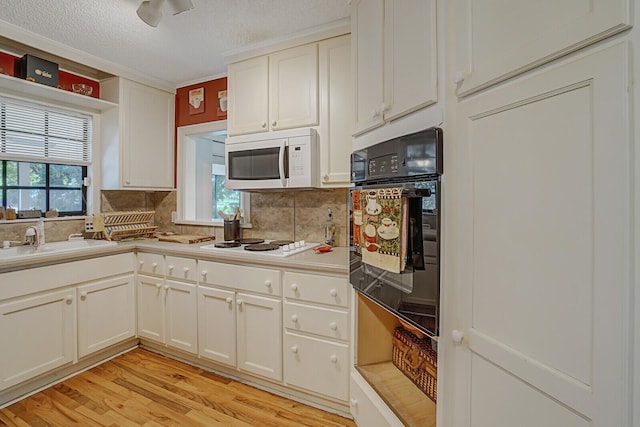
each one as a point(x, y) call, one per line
point(141, 388)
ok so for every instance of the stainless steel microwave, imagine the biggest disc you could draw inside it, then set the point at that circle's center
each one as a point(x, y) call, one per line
point(274, 160)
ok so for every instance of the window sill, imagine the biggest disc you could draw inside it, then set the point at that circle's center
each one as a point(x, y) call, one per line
point(214, 223)
point(25, 220)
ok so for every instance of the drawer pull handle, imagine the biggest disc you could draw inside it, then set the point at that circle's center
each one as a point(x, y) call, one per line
point(83, 295)
point(333, 293)
point(167, 287)
point(69, 299)
point(158, 285)
point(186, 269)
point(294, 318)
point(294, 349)
point(294, 287)
point(354, 402)
point(141, 263)
point(239, 302)
point(204, 273)
point(333, 326)
point(170, 267)
point(229, 300)
point(154, 265)
point(333, 358)
point(267, 283)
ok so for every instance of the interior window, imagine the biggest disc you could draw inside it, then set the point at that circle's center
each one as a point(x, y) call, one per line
point(202, 195)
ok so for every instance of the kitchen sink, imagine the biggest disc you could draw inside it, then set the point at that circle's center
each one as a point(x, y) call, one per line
point(19, 252)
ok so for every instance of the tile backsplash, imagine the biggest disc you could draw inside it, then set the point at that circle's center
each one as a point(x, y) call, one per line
point(297, 215)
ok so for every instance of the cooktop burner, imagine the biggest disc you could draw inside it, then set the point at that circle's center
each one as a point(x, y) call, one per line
point(249, 241)
point(227, 244)
point(261, 247)
point(281, 242)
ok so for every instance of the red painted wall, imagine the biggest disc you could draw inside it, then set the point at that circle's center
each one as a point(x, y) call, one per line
point(211, 112)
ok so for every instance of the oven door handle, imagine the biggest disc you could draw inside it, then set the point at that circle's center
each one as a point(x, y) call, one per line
point(281, 170)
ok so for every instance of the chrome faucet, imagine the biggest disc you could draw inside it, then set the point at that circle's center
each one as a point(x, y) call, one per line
point(31, 237)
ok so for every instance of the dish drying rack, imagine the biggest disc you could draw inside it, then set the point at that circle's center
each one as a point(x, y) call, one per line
point(121, 225)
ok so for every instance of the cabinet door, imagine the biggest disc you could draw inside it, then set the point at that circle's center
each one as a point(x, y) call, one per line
point(181, 316)
point(259, 335)
point(317, 365)
point(37, 334)
point(410, 56)
point(336, 111)
point(367, 407)
point(293, 87)
point(248, 96)
point(106, 314)
point(217, 325)
point(497, 41)
point(542, 239)
point(151, 308)
point(367, 44)
point(147, 135)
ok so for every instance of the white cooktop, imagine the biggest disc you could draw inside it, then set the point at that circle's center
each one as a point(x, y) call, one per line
point(283, 251)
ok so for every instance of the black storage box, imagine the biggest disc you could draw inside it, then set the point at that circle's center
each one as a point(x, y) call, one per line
point(37, 70)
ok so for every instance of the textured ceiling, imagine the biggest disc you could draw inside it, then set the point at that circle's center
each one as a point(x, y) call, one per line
point(183, 48)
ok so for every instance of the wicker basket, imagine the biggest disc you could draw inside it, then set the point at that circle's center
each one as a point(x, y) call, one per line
point(417, 360)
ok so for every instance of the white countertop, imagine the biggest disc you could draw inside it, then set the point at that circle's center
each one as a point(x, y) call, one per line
point(336, 261)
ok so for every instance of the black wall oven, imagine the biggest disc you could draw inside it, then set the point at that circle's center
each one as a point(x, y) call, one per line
point(409, 169)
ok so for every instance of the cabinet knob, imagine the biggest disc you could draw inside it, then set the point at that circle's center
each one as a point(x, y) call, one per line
point(458, 77)
point(170, 268)
point(274, 123)
point(374, 113)
point(294, 318)
point(354, 402)
point(229, 300)
point(263, 124)
point(141, 263)
point(185, 269)
point(127, 182)
point(69, 299)
point(457, 336)
point(333, 293)
point(333, 358)
point(158, 285)
point(239, 302)
point(333, 326)
point(167, 287)
point(267, 283)
point(294, 287)
point(204, 273)
point(83, 295)
point(154, 265)
point(294, 349)
point(325, 177)
point(383, 107)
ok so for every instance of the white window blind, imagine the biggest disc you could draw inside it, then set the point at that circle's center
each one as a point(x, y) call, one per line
point(34, 132)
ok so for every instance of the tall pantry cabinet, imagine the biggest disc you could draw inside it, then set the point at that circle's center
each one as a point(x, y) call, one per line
point(539, 215)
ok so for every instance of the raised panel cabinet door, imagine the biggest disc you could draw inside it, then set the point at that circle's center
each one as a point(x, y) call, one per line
point(543, 217)
point(367, 17)
point(293, 87)
point(147, 119)
point(495, 41)
point(217, 325)
point(106, 313)
point(248, 96)
point(38, 334)
point(336, 111)
point(181, 316)
point(151, 300)
point(259, 325)
point(410, 56)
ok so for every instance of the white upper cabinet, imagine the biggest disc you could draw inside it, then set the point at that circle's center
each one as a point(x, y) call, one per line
point(394, 59)
point(137, 137)
point(497, 41)
point(274, 92)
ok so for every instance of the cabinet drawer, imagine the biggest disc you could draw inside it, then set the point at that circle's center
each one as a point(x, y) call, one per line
point(367, 407)
point(181, 268)
point(150, 264)
point(317, 365)
point(315, 288)
point(316, 320)
point(251, 279)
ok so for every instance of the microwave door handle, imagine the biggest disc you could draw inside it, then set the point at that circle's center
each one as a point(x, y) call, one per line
point(283, 179)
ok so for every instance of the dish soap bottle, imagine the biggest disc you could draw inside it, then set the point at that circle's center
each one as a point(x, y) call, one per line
point(329, 229)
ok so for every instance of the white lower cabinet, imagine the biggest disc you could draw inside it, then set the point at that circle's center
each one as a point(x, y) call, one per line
point(37, 334)
point(367, 407)
point(167, 312)
point(106, 313)
point(239, 329)
point(317, 365)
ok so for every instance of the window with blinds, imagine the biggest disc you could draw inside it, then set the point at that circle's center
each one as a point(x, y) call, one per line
point(44, 156)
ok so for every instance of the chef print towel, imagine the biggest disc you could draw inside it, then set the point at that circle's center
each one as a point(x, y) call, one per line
point(356, 218)
point(382, 222)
